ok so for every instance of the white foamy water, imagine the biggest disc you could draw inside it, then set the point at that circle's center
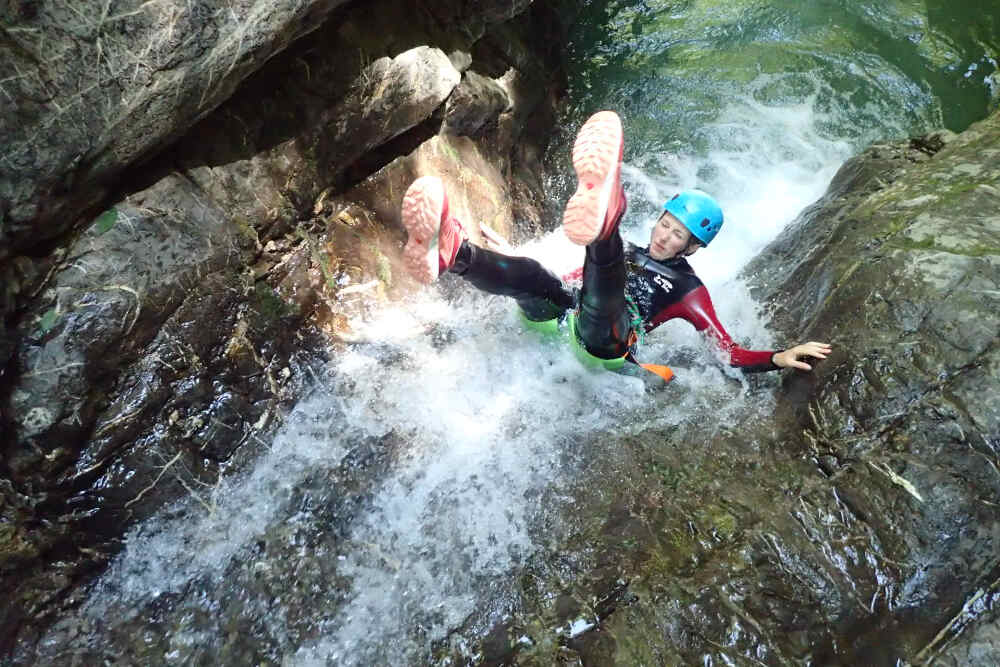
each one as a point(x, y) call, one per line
point(764, 163)
point(489, 416)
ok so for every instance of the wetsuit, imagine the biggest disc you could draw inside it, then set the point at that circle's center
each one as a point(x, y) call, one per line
point(670, 289)
point(614, 276)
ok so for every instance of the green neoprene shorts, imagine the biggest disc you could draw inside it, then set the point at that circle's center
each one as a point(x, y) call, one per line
point(567, 329)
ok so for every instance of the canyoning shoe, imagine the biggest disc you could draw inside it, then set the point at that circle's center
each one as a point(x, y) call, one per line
point(434, 236)
point(593, 212)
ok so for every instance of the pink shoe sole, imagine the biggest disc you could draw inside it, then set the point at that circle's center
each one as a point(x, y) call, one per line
point(422, 207)
point(597, 156)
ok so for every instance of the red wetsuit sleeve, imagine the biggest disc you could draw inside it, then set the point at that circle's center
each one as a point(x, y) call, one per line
point(696, 307)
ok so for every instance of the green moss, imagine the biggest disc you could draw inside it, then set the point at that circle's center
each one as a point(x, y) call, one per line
point(869, 215)
point(923, 244)
point(637, 643)
point(960, 189)
point(723, 522)
point(673, 551)
point(383, 267)
point(320, 259)
point(245, 228)
point(897, 224)
point(269, 305)
point(947, 198)
point(105, 221)
point(48, 320)
point(668, 477)
point(928, 244)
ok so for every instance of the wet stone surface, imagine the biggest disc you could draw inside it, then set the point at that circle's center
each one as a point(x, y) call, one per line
point(150, 359)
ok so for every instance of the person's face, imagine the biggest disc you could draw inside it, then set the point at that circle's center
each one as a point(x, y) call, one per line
point(670, 238)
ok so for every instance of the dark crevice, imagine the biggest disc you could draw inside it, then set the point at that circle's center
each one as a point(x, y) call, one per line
point(401, 145)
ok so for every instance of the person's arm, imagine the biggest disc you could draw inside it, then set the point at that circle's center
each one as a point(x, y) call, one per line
point(696, 307)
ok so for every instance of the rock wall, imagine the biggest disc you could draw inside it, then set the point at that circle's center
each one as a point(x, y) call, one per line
point(899, 264)
point(196, 199)
point(98, 86)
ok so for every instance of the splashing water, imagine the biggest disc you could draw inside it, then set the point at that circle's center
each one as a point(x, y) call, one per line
point(482, 406)
point(474, 428)
point(491, 419)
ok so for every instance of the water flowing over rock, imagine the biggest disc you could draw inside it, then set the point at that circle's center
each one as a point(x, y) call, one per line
point(184, 230)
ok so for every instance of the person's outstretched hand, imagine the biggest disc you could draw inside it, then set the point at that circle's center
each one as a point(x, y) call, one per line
point(790, 358)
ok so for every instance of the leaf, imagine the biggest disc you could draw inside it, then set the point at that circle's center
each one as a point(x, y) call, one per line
point(898, 481)
point(106, 220)
point(48, 320)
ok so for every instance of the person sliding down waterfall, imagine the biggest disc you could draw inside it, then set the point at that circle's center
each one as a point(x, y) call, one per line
point(627, 291)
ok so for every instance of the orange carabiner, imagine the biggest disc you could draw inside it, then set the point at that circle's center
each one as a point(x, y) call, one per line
point(663, 371)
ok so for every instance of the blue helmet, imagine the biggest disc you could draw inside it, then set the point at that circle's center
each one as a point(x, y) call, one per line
point(698, 212)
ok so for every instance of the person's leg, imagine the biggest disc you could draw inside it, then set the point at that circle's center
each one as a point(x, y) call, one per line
point(591, 218)
point(437, 243)
point(603, 323)
point(539, 293)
